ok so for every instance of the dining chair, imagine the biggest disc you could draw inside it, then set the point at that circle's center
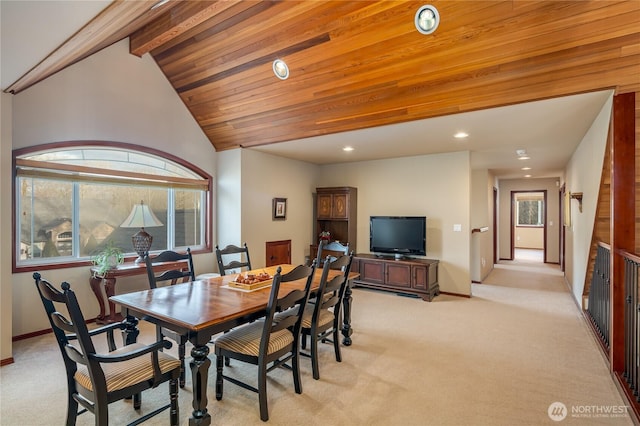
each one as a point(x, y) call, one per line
point(334, 249)
point(185, 274)
point(321, 320)
point(266, 341)
point(95, 380)
point(232, 250)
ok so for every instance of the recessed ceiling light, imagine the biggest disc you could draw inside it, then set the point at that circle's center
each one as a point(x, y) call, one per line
point(427, 19)
point(280, 69)
point(527, 176)
point(524, 157)
point(526, 168)
point(158, 4)
point(347, 148)
point(461, 135)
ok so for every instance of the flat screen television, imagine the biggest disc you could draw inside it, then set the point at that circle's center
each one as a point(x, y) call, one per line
point(398, 235)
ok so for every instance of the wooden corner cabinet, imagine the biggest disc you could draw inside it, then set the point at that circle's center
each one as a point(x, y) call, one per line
point(336, 212)
point(414, 276)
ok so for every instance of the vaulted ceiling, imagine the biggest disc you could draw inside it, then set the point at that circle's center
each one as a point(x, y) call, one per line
point(362, 64)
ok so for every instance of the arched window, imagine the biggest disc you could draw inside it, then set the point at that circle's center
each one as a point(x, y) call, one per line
point(71, 199)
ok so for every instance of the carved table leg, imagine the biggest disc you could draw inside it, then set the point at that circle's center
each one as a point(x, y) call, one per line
point(129, 336)
point(130, 332)
point(347, 331)
point(200, 370)
point(110, 290)
point(95, 282)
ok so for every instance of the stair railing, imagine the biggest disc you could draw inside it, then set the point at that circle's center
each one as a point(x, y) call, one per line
point(598, 307)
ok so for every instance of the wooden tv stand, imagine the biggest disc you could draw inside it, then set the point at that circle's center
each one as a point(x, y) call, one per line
point(414, 276)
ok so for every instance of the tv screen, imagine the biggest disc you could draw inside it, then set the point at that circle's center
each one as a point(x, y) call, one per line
point(399, 235)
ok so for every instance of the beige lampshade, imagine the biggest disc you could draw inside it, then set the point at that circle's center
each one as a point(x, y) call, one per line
point(141, 216)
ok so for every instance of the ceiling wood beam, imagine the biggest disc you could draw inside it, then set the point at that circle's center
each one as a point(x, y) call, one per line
point(181, 18)
point(113, 24)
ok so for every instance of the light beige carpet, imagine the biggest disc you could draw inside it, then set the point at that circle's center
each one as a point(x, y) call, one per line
point(501, 357)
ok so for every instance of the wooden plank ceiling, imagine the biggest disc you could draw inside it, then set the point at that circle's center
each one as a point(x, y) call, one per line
point(359, 64)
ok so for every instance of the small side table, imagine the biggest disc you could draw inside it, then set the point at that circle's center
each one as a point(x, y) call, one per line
point(108, 279)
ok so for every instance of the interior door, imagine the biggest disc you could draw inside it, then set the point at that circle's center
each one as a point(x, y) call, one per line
point(278, 252)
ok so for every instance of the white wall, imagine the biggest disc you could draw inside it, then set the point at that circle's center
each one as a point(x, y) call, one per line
point(265, 177)
point(583, 174)
point(436, 186)
point(531, 238)
point(228, 217)
point(111, 96)
point(6, 173)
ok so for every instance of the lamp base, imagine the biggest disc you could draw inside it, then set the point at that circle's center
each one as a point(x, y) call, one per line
point(141, 244)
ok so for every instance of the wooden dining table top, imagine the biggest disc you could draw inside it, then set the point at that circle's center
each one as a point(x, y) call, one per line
point(205, 303)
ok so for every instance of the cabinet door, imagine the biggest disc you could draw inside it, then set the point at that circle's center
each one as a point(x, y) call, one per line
point(398, 275)
point(324, 206)
point(419, 277)
point(278, 252)
point(372, 271)
point(340, 206)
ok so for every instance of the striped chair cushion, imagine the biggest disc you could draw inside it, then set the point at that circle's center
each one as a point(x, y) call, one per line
point(246, 339)
point(119, 375)
point(326, 316)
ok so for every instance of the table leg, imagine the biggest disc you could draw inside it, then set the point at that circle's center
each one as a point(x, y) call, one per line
point(131, 331)
point(129, 336)
point(200, 371)
point(110, 290)
point(95, 282)
point(347, 331)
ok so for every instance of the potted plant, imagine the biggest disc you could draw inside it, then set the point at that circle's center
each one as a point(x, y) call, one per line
point(109, 257)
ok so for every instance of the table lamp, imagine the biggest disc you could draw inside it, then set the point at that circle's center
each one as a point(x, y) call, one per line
point(141, 216)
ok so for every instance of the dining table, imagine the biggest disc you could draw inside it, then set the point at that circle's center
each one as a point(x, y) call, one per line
point(203, 308)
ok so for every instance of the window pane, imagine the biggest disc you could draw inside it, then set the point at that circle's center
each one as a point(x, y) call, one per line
point(529, 212)
point(45, 218)
point(188, 219)
point(103, 208)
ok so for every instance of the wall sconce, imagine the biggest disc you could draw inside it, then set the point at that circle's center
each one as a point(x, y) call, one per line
point(577, 196)
point(141, 216)
point(427, 19)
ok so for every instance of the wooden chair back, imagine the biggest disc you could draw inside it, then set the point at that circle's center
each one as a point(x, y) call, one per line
point(186, 274)
point(233, 264)
point(334, 249)
point(332, 291)
point(295, 299)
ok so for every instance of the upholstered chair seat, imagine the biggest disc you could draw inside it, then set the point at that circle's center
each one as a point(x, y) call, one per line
point(127, 373)
point(246, 339)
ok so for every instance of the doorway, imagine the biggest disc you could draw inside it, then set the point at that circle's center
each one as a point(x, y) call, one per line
point(529, 226)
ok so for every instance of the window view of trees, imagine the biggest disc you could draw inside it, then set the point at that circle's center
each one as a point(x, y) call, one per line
point(61, 219)
point(530, 212)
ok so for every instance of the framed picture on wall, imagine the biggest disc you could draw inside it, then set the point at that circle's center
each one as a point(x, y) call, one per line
point(279, 208)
